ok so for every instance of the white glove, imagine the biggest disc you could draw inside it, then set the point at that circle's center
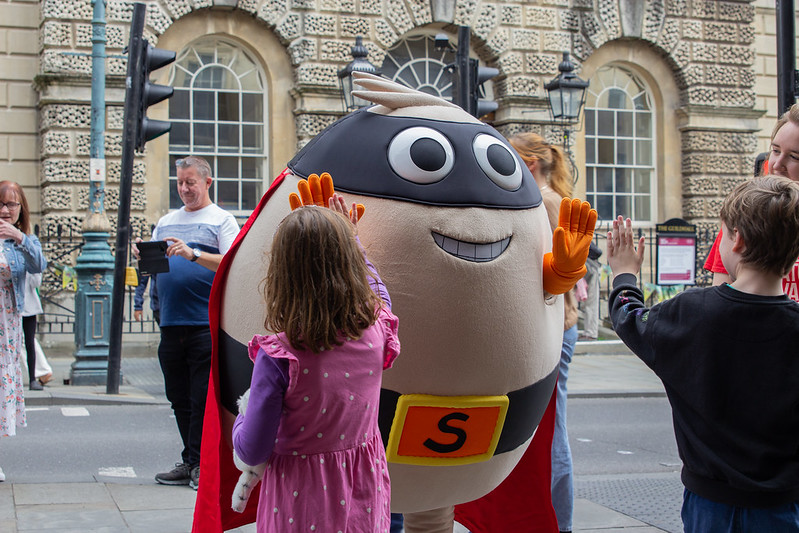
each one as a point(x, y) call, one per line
point(250, 475)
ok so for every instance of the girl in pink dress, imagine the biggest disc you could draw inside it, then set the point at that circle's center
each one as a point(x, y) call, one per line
point(313, 405)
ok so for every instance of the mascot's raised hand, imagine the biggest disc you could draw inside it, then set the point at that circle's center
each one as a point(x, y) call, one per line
point(318, 190)
point(565, 265)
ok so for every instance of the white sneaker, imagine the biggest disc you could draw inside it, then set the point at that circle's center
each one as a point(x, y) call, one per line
point(2, 475)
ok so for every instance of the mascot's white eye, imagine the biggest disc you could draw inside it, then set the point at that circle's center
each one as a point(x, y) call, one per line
point(498, 162)
point(421, 155)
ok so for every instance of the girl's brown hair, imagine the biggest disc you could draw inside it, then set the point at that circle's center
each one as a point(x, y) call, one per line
point(316, 287)
point(11, 190)
point(551, 160)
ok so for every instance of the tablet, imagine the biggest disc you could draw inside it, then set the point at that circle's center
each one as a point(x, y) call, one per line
point(152, 257)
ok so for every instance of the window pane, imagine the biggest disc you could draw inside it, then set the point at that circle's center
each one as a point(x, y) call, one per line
point(216, 78)
point(605, 149)
point(643, 125)
point(642, 181)
point(605, 122)
point(251, 192)
point(590, 125)
point(623, 180)
point(624, 123)
point(604, 179)
point(179, 136)
point(617, 99)
point(642, 208)
point(643, 154)
point(252, 139)
point(252, 107)
point(204, 108)
point(174, 200)
point(227, 167)
point(623, 207)
point(227, 194)
point(228, 137)
point(179, 105)
point(203, 136)
point(590, 150)
point(251, 168)
point(624, 152)
point(589, 179)
point(229, 106)
point(604, 207)
point(641, 101)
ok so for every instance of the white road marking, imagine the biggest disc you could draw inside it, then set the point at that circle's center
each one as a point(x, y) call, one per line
point(117, 471)
point(31, 409)
point(74, 411)
point(624, 452)
point(584, 440)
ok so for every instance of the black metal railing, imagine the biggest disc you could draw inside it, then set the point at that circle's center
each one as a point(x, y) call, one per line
point(61, 245)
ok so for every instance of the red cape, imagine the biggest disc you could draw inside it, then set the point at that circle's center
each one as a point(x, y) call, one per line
point(523, 502)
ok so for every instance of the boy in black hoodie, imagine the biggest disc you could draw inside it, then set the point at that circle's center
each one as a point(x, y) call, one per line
point(728, 357)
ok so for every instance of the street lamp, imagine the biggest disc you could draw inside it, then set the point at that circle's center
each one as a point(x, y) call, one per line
point(566, 93)
point(566, 96)
point(359, 63)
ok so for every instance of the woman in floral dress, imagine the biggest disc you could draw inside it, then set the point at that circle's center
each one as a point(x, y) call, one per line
point(21, 253)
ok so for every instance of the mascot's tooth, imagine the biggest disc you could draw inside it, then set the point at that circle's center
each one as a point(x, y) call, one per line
point(483, 252)
point(450, 245)
point(467, 250)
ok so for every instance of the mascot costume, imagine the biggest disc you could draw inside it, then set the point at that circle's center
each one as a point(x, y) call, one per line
point(457, 228)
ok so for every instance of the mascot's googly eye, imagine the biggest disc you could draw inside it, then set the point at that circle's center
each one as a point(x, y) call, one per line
point(421, 155)
point(498, 162)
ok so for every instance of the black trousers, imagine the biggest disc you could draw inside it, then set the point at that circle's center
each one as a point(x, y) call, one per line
point(29, 330)
point(185, 357)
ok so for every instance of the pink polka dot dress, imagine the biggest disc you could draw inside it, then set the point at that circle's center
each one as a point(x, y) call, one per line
point(328, 470)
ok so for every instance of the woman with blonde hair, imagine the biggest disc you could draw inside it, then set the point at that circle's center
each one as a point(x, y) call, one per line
point(21, 254)
point(547, 163)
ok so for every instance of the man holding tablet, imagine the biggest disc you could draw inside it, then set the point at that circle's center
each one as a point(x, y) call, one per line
point(198, 235)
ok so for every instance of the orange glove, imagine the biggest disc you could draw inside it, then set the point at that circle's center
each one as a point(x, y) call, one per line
point(565, 265)
point(317, 190)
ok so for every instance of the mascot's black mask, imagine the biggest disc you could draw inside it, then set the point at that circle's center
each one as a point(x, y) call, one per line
point(426, 161)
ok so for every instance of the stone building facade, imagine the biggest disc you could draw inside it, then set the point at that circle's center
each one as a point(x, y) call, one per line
point(699, 76)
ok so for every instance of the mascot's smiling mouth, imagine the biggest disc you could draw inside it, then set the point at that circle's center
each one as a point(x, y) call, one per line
point(471, 251)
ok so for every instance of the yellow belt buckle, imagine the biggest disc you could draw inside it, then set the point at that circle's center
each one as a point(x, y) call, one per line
point(445, 430)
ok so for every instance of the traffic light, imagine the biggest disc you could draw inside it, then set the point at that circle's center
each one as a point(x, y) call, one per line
point(468, 78)
point(480, 106)
point(152, 59)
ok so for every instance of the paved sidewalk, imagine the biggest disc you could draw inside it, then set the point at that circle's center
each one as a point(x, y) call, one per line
point(599, 369)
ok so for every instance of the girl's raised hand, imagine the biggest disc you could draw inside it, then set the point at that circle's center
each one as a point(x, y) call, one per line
point(337, 204)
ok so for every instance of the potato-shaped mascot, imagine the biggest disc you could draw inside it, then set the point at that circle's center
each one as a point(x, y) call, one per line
point(456, 226)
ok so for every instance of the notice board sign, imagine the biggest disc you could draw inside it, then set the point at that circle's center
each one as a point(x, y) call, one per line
point(676, 253)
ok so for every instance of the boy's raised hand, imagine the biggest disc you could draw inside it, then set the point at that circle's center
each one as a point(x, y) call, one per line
point(623, 256)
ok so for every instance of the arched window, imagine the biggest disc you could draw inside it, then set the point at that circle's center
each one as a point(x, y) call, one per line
point(619, 145)
point(218, 112)
point(416, 63)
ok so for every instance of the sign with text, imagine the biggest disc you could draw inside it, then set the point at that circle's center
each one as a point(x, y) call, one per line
point(676, 253)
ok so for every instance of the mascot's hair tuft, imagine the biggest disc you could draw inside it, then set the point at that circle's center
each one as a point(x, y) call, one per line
point(393, 95)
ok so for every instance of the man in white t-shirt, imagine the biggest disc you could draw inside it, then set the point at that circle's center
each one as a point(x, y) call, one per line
point(198, 235)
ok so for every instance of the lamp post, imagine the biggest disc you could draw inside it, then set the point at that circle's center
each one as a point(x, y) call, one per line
point(566, 96)
point(95, 264)
point(359, 63)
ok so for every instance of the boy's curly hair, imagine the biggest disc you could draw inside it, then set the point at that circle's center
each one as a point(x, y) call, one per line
point(316, 287)
point(765, 211)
